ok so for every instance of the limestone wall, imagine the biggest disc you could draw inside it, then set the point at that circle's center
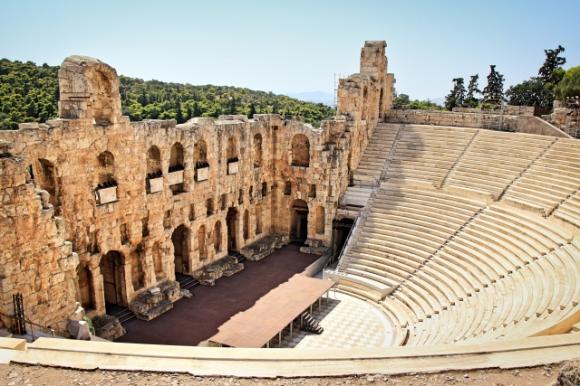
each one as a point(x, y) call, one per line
point(41, 268)
point(448, 118)
point(506, 110)
point(517, 123)
point(142, 201)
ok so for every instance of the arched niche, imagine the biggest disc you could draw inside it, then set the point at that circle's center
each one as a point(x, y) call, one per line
point(257, 150)
point(300, 150)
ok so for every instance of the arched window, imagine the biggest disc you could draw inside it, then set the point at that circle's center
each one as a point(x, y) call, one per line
point(258, 219)
point(264, 189)
point(153, 162)
point(106, 169)
point(217, 236)
point(200, 154)
point(257, 150)
point(176, 160)
point(300, 151)
point(320, 220)
point(232, 150)
point(246, 225)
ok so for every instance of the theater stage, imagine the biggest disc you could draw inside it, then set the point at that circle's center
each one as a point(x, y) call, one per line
point(197, 319)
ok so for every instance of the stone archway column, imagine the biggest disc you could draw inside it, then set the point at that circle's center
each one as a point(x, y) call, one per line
point(168, 260)
point(98, 289)
point(127, 288)
point(149, 267)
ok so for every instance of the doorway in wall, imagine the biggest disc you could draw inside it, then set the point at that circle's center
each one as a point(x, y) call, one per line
point(299, 221)
point(232, 224)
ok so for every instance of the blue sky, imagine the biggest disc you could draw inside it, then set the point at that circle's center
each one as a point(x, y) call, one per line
point(294, 46)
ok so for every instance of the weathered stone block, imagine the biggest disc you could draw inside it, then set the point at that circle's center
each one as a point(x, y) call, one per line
point(175, 178)
point(155, 184)
point(202, 174)
point(233, 167)
point(106, 195)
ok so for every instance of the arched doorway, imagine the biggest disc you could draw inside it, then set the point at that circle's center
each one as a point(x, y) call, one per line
point(232, 224)
point(180, 239)
point(86, 289)
point(299, 221)
point(113, 272)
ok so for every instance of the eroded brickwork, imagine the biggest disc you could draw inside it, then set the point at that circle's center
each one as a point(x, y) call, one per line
point(142, 201)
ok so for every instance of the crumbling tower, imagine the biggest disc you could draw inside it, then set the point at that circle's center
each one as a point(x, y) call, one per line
point(89, 89)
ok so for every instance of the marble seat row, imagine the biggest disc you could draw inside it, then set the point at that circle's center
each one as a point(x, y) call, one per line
point(460, 269)
point(551, 179)
point(427, 152)
point(495, 159)
point(404, 226)
point(523, 303)
point(375, 155)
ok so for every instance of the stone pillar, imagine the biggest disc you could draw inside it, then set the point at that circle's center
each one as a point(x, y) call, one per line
point(98, 288)
point(128, 290)
point(149, 267)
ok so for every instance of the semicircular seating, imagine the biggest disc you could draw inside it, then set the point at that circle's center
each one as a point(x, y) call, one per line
point(449, 263)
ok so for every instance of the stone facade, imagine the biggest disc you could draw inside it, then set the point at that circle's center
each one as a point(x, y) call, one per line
point(139, 202)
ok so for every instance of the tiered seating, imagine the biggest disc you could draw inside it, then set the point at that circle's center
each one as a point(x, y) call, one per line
point(356, 196)
point(375, 155)
point(551, 179)
point(428, 152)
point(569, 210)
point(500, 266)
point(446, 268)
point(495, 159)
point(532, 299)
point(404, 226)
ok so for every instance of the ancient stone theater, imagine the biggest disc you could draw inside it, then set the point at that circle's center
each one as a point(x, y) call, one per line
point(384, 241)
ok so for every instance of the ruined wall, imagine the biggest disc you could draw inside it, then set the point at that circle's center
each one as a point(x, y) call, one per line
point(448, 118)
point(517, 123)
point(41, 268)
point(142, 201)
point(365, 97)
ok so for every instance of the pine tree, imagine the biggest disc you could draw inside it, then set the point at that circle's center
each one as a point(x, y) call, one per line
point(456, 96)
point(188, 112)
point(178, 113)
point(551, 72)
point(252, 111)
point(472, 90)
point(493, 92)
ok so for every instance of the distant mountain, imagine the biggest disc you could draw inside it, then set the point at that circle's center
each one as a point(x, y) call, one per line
point(314, 97)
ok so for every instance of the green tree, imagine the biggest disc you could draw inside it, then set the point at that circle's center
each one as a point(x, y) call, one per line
point(456, 96)
point(178, 113)
point(252, 111)
point(30, 93)
point(569, 86)
point(530, 92)
point(471, 99)
point(493, 92)
point(401, 100)
point(551, 71)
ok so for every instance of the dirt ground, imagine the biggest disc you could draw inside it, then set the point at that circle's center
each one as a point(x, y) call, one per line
point(14, 374)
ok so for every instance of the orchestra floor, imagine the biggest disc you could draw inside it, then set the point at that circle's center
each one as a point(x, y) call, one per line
point(194, 320)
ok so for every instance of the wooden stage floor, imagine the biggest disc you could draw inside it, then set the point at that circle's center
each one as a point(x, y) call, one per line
point(197, 319)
